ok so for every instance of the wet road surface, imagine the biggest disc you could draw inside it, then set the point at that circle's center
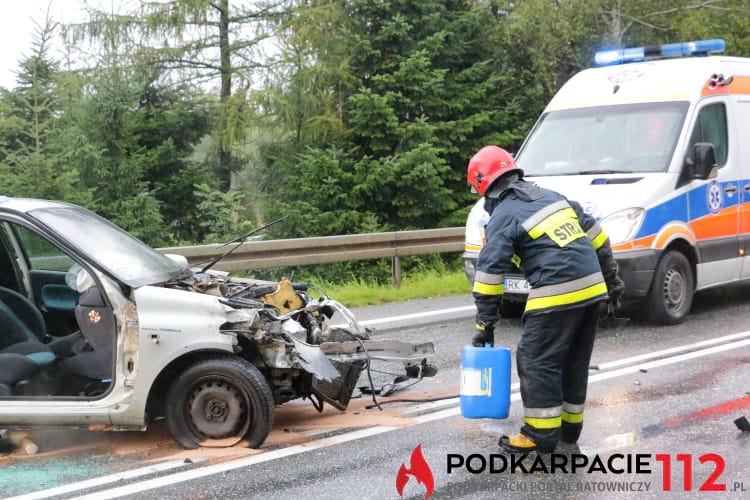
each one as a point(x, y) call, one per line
point(659, 424)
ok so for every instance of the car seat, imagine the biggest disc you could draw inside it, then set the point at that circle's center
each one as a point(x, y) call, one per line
point(36, 328)
point(98, 327)
point(22, 355)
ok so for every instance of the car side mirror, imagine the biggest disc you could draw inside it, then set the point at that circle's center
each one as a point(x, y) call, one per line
point(180, 259)
point(704, 161)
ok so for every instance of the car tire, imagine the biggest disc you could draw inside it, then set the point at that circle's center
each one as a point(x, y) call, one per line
point(671, 295)
point(218, 402)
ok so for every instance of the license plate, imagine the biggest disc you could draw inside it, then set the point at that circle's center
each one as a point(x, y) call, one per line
point(516, 285)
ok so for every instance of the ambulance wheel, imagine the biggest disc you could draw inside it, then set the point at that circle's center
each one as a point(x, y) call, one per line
point(671, 294)
point(218, 402)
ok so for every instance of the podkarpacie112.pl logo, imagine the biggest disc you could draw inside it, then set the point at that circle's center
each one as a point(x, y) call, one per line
point(420, 470)
point(618, 472)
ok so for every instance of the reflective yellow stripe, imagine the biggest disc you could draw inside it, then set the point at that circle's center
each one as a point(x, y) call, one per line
point(486, 289)
point(566, 298)
point(551, 222)
point(562, 227)
point(572, 418)
point(599, 240)
point(543, 423)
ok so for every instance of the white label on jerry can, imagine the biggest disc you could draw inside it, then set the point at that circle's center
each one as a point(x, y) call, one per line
point(476, 382)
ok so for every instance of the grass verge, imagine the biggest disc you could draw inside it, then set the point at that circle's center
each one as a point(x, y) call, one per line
point(417, 286)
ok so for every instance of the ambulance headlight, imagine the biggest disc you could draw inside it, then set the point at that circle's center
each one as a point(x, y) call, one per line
point(622, 226)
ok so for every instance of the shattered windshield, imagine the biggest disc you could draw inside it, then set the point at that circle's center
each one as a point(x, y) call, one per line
point(631, 138)
point(119, 253)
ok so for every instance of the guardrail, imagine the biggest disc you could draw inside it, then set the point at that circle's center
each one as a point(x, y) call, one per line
point(320, 250)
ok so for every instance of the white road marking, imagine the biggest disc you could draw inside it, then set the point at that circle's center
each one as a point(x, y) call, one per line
point(668, 361)
point(209, 470)
point(408, 317)
point(666, 353)
point(516, 396)
point(671, 351)
point(666, 356)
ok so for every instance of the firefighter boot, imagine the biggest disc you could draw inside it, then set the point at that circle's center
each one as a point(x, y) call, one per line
point(520, 443)
point(569, 433)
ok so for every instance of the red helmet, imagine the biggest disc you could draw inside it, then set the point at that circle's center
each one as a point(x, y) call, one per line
point(487, 165)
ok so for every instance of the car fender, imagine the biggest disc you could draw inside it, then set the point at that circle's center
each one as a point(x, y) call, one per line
point(170, 324)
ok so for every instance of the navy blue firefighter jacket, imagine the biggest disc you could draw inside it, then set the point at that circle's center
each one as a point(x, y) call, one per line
point(551, 239)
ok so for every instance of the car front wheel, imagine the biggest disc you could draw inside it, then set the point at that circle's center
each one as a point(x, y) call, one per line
point(218, 402)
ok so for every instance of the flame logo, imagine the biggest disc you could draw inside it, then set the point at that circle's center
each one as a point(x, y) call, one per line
point(420, 469)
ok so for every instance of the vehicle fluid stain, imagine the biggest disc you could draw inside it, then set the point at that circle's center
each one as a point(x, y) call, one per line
point(696, 382)
point(696, 416)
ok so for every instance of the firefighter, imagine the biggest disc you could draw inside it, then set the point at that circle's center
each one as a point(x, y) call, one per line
point(566, 258)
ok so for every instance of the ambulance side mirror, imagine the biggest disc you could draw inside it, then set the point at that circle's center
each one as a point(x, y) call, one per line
point(704, 161)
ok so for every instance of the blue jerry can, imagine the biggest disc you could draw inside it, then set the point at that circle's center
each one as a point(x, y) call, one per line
point(485, 382)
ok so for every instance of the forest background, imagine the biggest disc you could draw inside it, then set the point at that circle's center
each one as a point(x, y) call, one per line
point(194, 121)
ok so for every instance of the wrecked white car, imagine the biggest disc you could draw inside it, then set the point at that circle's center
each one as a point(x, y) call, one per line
point(100, 330)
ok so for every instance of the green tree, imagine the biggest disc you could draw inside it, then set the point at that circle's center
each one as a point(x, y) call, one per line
point(168, 124)
point(31, 163)
point(132, 132)
point(408, 95)
point(540, 44)
point(426, 99)
point(725, 19)
point(205, 41)
point(305, 88)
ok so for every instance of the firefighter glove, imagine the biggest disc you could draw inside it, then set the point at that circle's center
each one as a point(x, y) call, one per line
point(485, 334)
point(615, 289)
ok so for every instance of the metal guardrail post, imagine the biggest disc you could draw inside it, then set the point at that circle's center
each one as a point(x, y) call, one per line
point(396, 268)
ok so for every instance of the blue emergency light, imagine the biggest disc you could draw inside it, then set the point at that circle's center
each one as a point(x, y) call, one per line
point(621, 56)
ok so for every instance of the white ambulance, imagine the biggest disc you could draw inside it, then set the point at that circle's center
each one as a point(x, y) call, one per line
point(655, 144)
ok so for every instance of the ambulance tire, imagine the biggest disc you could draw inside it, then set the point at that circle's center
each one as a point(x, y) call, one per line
point(671, 294)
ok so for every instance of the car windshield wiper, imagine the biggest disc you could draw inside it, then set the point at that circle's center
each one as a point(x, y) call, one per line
point(188, 270)
point(239, 240)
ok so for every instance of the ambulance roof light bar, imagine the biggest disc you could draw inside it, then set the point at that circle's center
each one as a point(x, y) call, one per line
point(622, 56)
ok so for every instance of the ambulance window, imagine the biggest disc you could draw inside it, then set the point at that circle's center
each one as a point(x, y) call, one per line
point(711, 126)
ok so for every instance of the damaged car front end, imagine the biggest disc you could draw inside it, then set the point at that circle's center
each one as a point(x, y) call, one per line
point(125, 336)
point(289, 336)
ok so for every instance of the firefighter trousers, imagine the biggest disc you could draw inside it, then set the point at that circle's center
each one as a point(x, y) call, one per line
point(552, 359)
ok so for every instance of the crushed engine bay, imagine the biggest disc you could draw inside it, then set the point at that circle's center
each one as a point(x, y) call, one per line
point(289, 336)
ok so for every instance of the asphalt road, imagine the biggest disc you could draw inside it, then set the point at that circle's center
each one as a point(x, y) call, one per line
point(659, 424)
